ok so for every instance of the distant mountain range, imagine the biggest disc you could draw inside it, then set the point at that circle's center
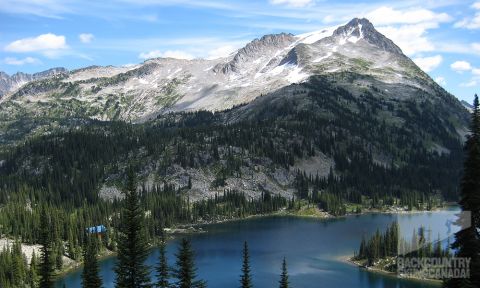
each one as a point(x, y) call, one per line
point(17, 80)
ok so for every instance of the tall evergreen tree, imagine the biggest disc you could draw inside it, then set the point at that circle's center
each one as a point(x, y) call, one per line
point(467, 240)
point(246, 278)
point(185, 273)
point(32, 272)
point(46, 261)
point(131, 271)
point(284, 276)
point(162, 268)
point(90, 276)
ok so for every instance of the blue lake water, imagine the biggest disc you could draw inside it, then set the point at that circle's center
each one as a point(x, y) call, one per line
point(311, 246)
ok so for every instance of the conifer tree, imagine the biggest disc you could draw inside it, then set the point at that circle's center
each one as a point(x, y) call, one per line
point(162, 268)
point(467, 240)
point(46, 261)
point(90, 275)
point(32, 272)
point(284, 276)
point(185, 273)
point(246, 278)
point(131, 271)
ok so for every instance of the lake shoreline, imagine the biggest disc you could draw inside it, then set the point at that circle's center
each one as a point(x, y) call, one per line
point(348, 260)
point(195, 228)
point(321, 215)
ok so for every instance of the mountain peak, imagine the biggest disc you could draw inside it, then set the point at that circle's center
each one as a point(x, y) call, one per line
point(267, 44)
point(363, 28)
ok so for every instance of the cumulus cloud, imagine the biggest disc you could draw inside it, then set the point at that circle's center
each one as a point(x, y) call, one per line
point(220, 52)
point(461, 66)
point(410, 38)
point(441, 81)
point(85, 37)
point(292, 3)
point(387, 15)
point(408, 28)
point(48, 44)
point(40, 43)
point(167, 54)
point(428, 63)
point(26, 60)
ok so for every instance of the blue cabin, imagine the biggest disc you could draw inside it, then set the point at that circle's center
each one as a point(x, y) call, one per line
point(100, 229)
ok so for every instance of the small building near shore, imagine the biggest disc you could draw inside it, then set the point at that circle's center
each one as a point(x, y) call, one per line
point(99, 230)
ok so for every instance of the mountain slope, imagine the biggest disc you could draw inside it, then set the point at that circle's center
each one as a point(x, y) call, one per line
point(337, 113)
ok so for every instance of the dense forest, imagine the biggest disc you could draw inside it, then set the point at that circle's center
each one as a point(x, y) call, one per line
point(379, 159)
point(390, 245)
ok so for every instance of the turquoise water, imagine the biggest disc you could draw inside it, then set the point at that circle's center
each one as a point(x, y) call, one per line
point(312, 248)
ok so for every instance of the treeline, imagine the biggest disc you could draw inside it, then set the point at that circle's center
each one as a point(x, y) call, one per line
point(15, 271)
point(332, 194)
point(390, 245)
point(233, 204)
point(380, 245)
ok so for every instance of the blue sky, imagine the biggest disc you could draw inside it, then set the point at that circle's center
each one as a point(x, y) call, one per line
point(442, 36)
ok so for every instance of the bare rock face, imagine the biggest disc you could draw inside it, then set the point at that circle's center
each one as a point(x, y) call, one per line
point(254, 49)
point(362, 28)
point(10, 83)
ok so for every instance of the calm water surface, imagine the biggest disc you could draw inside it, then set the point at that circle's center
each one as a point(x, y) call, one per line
point(312, 248)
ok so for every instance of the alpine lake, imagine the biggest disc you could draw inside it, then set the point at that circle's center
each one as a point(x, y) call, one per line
point(315, 249)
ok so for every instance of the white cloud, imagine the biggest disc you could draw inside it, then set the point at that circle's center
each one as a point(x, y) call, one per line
point(476, 71)
point(441, 81)
point(470, 22)
point(26, 60)
point(471, 83)
point(85, 37)
point(410, 38)
point(292, 3)
point(387, 15)
point(167, 54)
point(220, 52)
point(47, 44)
point(408, 28)
point(428, 63)
point(461, 66)
point(43, 8)
point(476, 47)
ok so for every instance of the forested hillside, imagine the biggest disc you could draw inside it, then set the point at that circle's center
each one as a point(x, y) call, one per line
point(373, 151)
point(401, 152)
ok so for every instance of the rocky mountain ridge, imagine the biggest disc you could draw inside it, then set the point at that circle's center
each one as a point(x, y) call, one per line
point(10, 83)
